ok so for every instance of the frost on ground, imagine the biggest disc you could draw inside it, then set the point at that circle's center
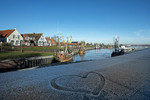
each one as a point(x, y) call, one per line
point(122, 77)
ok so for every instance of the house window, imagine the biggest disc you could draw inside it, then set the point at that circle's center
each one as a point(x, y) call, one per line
point(17, 42)
point(18, 37)
point(26, 38)
point(33, 38)
point(13, 36)
point(26, 43)
point(12, 42)
point(42, 38)
point(30, 38)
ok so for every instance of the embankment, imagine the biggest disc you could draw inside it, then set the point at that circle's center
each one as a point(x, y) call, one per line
point(15, 64)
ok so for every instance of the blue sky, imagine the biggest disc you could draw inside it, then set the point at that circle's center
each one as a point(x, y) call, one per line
point(96, 21)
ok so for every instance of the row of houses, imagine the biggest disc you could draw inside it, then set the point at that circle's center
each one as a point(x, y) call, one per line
point(13, 37)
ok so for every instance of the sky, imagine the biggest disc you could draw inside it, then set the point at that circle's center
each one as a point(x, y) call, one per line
point(93, 21)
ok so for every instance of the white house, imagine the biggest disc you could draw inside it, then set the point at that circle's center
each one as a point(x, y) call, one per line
point(11, 36)
point(34, 39)
point(42, 41)
point(48, 41)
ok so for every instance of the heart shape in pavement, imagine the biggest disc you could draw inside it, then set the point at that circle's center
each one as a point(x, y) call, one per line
point(89, 83)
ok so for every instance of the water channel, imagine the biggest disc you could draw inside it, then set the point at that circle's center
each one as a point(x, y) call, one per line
point(97, 54)
point(94, 54)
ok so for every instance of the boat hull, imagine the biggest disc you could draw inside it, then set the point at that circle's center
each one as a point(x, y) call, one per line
point(82, 52)
point(66, 59)
point(117, 53)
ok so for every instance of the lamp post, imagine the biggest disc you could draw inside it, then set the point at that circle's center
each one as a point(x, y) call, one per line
point(1, 45)
point(1, 42)
point(21, 45)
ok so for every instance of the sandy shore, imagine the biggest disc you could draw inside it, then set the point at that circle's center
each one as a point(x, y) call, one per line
point(121, 77)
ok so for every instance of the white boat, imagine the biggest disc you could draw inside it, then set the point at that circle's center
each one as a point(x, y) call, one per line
point(126, 49)
point(97, 46)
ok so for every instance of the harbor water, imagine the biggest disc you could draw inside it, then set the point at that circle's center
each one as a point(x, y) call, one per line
point(95, 54)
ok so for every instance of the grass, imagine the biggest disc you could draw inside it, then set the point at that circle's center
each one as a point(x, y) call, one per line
point(38, 48)
point(16, 55)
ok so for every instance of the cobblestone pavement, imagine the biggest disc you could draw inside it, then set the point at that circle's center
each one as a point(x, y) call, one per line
point(122, 77)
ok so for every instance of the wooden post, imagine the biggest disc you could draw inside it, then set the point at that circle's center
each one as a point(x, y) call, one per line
point(21, 45)
point(1, 45)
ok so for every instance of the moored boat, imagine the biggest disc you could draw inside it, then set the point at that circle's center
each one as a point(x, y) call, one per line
point(66, 59)
point(81, 51)
point(117, 51)
point(97, 46)
point(64, 54)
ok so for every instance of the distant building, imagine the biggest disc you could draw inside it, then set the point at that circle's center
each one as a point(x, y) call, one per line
point(48, 41)
point(11, 36)
point(83, 43)
point(34, 39)
point(75, 42)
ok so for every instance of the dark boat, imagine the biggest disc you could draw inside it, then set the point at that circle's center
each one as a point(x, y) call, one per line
point(117, 51)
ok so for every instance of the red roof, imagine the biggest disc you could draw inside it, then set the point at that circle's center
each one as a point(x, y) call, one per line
point(36, 35)
point(6, 33)
point(52, 40)
point(47, 38)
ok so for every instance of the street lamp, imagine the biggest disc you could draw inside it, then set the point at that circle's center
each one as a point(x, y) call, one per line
point(21, 45)
point(1, 42)
point(1, 45)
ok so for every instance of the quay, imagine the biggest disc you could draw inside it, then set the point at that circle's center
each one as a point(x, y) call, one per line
point(122, 77)
point(15, 64)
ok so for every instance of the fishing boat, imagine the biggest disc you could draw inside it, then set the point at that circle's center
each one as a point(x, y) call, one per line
point(65, 58)
point(64, 55)
point(97, 46)
point(82, 49)
point(117, 51)
point(82, 52)
point(126, 49)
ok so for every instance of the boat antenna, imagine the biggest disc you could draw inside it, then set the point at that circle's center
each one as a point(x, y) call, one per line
point(59, 44)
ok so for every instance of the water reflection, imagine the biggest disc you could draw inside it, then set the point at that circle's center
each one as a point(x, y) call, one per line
point(82, 56)
point(93, 55)
point(97, 54)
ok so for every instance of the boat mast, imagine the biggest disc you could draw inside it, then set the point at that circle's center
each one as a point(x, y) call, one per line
point(59, 45)
point(116, 43)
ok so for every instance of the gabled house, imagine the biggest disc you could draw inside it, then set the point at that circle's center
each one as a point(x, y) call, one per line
point(48, 41)
point(34, 39)
point(53, 42)
point(11, 36)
